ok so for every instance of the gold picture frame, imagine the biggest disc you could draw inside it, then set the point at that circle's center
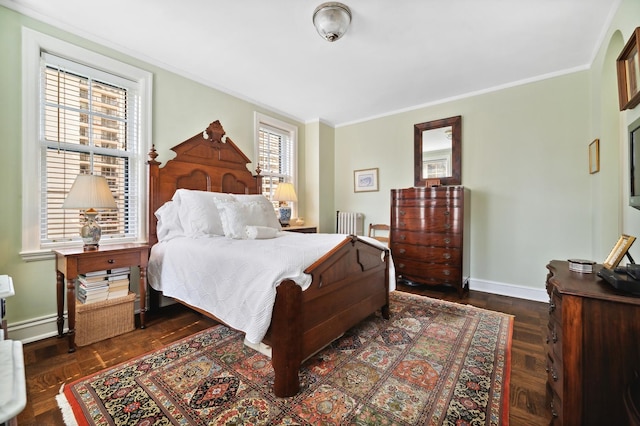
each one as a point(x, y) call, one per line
point(365, 180)
point(594, 156)
point(628, 70)
point(619, 250)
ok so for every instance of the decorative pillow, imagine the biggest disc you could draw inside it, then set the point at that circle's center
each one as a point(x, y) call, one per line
point(198, 212)
point(260, 232)
point(169, 225)
point(265, 216)
point(236, 217)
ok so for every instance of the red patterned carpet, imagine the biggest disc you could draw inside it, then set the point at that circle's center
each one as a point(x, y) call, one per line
point(432, 363)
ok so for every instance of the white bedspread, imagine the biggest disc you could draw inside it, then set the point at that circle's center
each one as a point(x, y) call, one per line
point(240, 290)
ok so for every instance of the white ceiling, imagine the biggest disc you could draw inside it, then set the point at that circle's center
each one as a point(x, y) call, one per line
point(396, 55)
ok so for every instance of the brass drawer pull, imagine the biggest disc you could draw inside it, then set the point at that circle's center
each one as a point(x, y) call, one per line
point(554, 336)
point(402, 212)
point(402, 251)
point(401, 266)
point(446, 256)
point(554, 374)
point(403, 237)
point(554, 413)
point(552, 307)
point(447, 240)
point(447, 213)
point(447, 225)
point(446, 272)
point(111, 261)
point(403, 224)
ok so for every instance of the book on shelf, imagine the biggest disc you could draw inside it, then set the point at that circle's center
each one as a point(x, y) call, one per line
point(95, 273)
point(120, 271)
point(581, 265)
point(118, 277)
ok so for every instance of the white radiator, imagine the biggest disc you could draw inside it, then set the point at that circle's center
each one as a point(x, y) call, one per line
point(350, 223)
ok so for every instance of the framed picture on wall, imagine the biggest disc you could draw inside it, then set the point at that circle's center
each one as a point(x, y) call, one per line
point(628, 70)
point(594, 156)
point(619, 250)
point(365, 180)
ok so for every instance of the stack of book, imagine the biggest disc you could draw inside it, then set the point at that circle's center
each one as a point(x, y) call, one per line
point(102, 285)
point(92, 287)
point(118, 282)
point(581, 265)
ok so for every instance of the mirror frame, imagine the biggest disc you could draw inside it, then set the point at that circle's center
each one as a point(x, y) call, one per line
point(456, 150)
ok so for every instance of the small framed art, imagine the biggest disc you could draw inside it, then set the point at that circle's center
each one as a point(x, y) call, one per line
point(628, 67)
point(365, 180)
point(594, 156)
point(619, 250)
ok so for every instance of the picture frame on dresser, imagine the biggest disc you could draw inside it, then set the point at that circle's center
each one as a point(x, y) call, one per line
point(619, 250)
point(365, 180)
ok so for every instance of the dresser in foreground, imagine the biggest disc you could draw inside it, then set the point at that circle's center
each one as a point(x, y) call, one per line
point(427, 239)
point(593, 347)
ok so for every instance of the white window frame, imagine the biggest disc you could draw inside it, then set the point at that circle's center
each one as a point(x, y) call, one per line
point(292, 131)
point(33, 43)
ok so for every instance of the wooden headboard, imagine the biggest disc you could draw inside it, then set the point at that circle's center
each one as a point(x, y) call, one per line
point(207, 161)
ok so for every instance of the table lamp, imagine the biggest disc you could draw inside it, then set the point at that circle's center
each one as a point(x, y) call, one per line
point(284, 193)
point(88, 193)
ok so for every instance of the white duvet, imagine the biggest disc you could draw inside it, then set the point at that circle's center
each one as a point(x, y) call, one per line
point(236, 280)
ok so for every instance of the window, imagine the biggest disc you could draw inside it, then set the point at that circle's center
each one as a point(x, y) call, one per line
point(86, 114)
point(276, 147)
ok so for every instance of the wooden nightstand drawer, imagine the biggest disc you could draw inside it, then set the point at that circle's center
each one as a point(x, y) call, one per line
point(111, 261)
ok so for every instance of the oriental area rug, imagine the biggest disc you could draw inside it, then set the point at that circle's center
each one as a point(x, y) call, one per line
point(432, 363)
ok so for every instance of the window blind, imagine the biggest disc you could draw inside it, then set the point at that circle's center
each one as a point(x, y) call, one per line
point(275, 156)
point(88, 126)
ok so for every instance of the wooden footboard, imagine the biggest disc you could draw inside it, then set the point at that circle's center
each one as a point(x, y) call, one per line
point(349, 283)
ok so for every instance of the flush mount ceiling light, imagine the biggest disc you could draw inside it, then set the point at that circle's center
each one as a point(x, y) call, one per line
point(331, 20)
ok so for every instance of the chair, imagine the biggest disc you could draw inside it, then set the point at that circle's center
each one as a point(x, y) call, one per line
point(374, 230)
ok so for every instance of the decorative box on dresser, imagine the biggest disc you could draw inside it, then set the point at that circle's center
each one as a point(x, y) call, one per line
point(593, 347)
point(427, 239)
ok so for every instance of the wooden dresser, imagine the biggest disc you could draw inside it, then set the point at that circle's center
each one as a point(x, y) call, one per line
point(593, 347)
point(428, 228)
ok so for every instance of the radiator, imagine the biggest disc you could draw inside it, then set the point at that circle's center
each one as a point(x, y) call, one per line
point(349, 223)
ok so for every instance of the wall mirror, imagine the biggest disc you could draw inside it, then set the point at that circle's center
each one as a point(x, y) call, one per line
point(437, 149)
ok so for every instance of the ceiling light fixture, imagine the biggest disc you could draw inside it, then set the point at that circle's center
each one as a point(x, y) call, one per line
point(331, 20)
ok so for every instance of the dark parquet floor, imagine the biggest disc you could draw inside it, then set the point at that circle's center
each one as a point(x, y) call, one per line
point(48, 365)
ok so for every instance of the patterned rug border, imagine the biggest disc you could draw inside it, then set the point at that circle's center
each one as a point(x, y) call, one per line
point(72, 410)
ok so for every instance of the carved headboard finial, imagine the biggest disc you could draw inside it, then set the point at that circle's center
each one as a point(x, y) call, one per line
point(214, 132)
point(153, 154)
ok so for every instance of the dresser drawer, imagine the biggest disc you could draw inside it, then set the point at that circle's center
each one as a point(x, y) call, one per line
point(425, 215)
point(439, 194)
point(101, 262)
point(430, 254)
point(449, 226)
point(554, 375)
point(428, 273)
point(443, 239)
point(430, 203)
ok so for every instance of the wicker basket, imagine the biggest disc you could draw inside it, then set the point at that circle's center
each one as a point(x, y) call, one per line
point(101, 320)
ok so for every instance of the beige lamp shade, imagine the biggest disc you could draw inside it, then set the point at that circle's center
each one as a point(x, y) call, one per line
point(285, 192)
point(89, 192)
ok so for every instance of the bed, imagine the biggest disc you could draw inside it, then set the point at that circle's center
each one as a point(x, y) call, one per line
point(345, 284)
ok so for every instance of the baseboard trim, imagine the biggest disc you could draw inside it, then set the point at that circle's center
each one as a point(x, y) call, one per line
point(511, 290)
point(40, 328)
point(35, 329)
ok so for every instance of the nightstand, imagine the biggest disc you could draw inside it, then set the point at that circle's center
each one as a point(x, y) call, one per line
point(75, 261)
point(301, 229)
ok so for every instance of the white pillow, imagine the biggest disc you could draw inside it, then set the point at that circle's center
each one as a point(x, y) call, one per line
point(236, 217)
point(169, 225)
point(198, 212)
point(266, 216)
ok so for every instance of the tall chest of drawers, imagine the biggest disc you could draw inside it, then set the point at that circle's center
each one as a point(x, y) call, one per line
point(427, 239)
point(593, 347)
